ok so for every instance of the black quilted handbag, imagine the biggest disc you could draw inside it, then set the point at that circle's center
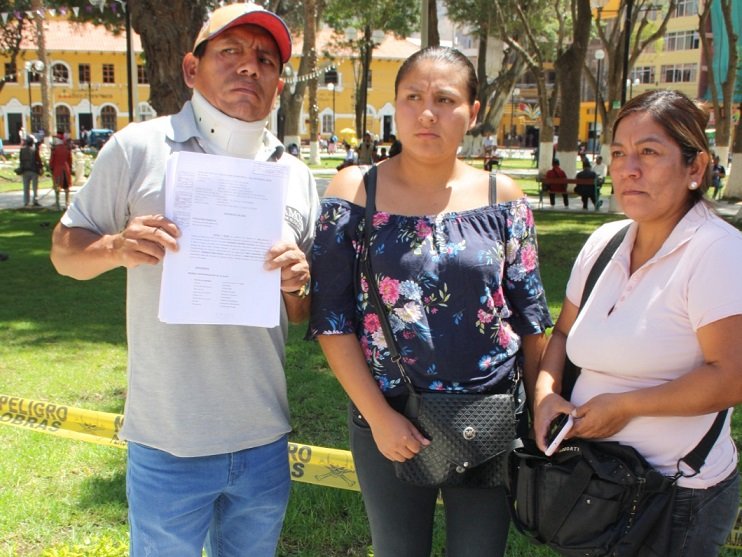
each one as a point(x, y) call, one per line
point(470, 434)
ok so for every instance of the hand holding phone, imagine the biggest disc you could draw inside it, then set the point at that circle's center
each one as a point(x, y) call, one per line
point(558, 429)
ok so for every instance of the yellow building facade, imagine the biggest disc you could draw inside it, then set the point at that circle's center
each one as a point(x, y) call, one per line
point(87, 66)
point(87, 70)
point(336, 101)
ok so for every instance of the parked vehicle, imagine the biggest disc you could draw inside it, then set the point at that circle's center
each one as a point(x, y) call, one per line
point(98, 136)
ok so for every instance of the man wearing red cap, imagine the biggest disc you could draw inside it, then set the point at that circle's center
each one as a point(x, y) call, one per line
point(206, 415)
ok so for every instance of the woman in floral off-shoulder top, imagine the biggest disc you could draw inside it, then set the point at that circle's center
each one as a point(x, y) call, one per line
point(458, 274)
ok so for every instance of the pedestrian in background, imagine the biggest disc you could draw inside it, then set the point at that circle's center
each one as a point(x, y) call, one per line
point(60, 165)
point(31, 168)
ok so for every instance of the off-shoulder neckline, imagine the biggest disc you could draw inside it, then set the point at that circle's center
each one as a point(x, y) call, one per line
point(446, 215)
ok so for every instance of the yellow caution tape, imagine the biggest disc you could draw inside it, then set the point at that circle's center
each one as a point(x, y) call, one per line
point(308, 464)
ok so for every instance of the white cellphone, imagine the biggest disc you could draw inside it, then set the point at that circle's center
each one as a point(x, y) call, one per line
point(558, 430)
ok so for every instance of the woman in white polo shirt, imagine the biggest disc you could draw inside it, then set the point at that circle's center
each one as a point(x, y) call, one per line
point(658, 339)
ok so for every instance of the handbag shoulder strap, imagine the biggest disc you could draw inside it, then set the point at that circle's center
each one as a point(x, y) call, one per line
point(571, 373)
point(601, 263)
point(493, 187)
point(697, 457)
point(369, 181)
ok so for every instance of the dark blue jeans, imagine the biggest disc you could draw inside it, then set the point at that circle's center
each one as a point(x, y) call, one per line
point(703, 518)
point(401, 514)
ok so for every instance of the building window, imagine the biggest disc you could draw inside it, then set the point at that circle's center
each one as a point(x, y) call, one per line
point(679, 73)
point(34, 77)
point(682, 40)
point(142, 78)
point(36, 118)
point(327, 124)
point(108, 74)
point(11, 75)
point(330, 76)
point(644, 74)
point(60, 74)
point(145, 112)
point(686, 7)
point(83, 73)
point(63, 119)
point(108, 117)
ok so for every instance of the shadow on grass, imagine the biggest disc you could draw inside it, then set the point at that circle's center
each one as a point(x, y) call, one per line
point(108, 492)
point(316, 400)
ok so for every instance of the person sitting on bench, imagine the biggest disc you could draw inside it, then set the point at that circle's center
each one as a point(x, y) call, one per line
point(556, 173)
point(587, 191)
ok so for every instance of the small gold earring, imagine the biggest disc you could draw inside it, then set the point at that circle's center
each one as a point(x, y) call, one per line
point(693, 185)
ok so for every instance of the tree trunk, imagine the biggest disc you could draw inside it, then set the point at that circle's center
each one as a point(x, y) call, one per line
point(569, 73)
point(645, 31)
point(46, 109)
point(722, 108)
point(482, 93)
point(434, 38)
point(167, 31)
point(734, 179)
point(362, 91)
point(514, 66)
point(310, 51)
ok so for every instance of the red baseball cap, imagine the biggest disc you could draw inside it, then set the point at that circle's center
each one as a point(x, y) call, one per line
point(232, 15)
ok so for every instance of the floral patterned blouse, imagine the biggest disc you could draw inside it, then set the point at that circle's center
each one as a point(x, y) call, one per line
point(460, 290)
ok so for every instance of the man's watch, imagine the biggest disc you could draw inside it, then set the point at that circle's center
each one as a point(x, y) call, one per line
point(302, 292)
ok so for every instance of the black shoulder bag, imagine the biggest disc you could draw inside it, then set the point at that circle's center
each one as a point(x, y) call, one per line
point(470, 434)
point(598, 498)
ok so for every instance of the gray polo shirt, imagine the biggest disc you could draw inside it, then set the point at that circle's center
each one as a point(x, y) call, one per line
point(193, 390)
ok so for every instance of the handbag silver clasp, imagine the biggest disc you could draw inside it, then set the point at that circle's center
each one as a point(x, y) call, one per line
point(461, 468)
point(469, 433)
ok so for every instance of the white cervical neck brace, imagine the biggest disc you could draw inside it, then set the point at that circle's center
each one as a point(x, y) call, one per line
point(225, 135)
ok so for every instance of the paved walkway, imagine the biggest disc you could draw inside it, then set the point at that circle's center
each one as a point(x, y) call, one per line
point(14, 199)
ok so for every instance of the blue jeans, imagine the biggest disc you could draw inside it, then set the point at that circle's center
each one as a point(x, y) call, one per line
point(703, 518)
point(239, 499)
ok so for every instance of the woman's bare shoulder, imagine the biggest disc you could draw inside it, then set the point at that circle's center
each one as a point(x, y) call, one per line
point(347, 184)
point(507, 189)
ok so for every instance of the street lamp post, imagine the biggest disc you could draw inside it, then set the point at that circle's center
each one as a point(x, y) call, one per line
point(599, 55)
point(515, 92)
point(331, 87)
point(34, 67)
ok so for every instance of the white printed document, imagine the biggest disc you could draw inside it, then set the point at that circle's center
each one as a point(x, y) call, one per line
point(230, 212)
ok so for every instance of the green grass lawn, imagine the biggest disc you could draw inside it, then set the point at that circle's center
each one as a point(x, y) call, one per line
point(64, 341)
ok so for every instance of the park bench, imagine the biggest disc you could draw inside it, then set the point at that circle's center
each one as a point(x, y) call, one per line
point(488, 161)
point(546, 183)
